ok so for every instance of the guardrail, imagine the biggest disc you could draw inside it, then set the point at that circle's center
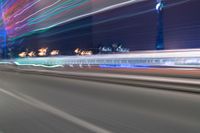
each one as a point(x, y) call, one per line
point(178, 58)
point(169, 58)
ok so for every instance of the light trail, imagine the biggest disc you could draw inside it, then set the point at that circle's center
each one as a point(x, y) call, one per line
point(167, 58)
point(38, 11)
point(28, 7)
point(27, 17)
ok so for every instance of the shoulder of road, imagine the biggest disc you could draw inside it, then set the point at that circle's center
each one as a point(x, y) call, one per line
point(183, 80)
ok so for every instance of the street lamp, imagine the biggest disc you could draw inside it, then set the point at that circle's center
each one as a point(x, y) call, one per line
point(160, 27)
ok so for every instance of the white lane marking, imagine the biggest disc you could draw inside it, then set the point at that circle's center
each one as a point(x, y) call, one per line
point(48, 108)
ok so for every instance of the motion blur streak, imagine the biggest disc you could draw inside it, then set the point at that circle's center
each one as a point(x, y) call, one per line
point(42, 104)
point(38, 104)
point(25, 16)
point(189, 58)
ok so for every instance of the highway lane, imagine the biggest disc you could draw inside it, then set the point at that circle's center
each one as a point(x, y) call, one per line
point(43, 104)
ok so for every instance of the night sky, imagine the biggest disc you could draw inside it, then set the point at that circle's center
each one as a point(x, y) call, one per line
point(134, 26)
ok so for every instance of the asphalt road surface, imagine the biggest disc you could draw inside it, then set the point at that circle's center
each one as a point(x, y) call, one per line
point(44, 104)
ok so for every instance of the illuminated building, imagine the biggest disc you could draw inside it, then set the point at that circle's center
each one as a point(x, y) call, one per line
point(31, 54)
point(42, 52)
point(82, 52)
point(54, 52)
point(22, 54)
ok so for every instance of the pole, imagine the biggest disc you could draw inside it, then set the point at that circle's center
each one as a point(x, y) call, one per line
point(160, 26)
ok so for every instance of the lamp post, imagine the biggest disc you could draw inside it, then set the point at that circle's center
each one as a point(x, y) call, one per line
point(160, 34)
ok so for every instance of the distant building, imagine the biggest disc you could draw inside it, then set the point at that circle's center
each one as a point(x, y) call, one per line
point(114, 48)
